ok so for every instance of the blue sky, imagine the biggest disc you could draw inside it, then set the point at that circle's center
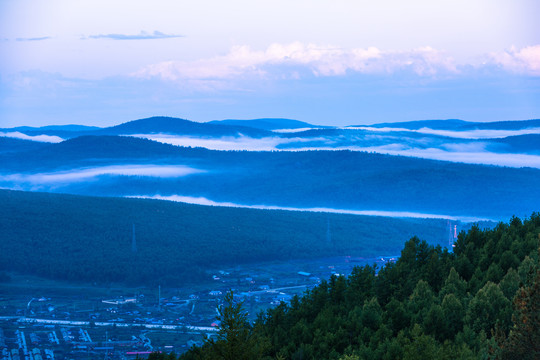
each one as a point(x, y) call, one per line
point(326, 62)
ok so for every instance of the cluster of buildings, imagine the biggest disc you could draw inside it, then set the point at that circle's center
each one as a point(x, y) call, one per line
point(167, 320)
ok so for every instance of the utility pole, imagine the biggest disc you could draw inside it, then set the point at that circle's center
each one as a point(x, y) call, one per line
point(134, 241)
point(328, 234)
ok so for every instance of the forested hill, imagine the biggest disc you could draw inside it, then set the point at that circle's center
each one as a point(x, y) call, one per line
point(480, 302)
point(12, 145)
point(333, 179)
point(266, 123)
point(81, 238)
point(170, 125)
point(460, 125)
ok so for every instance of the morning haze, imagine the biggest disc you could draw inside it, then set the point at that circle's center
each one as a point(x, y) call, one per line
point(337, 180)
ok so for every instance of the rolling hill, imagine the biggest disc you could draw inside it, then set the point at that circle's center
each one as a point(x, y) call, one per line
point(461, 125)
point(267, 123)
point(169, 125)
point(90, 238)
point(333, 179)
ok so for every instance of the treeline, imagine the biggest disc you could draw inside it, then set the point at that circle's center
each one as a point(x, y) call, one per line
point(90, 239)
point(480, 301)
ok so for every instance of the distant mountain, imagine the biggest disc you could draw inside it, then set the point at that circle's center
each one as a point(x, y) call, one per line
point(267, 123)
point(525, 144)
point(71, 127)
point(152, 125)
point(63, 131)
point(460, 125)
point(504, 125)
point(261, 128)
point(450, 124)
point(176, 126)
point(12, 145)
point(89, 150)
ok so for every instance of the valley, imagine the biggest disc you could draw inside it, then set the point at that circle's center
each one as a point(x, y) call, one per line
point(121, 241)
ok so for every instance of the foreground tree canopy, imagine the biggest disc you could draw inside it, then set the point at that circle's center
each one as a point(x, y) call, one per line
point(479, 301)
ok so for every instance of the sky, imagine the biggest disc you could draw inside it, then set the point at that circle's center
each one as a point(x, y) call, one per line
point(326, 62)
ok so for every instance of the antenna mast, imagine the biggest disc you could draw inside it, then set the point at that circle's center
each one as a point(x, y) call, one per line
point(134, 241)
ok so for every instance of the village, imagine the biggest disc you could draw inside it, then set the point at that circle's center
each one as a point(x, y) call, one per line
point(123, 323)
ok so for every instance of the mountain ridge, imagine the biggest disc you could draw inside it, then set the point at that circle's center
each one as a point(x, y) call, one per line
point(267, 123)
point(171, 125)
point(460, 125)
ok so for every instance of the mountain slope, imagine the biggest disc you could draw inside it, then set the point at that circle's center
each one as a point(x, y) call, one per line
point(266, 123)
point(90, 238)
point(11, 145)
point(450, 124)
point(60, 128)
point(169, 125)
point(87, 150)
point(152, 125)
point(460, 125)
point(525, 144)
point(332, 179)
point(479, 302)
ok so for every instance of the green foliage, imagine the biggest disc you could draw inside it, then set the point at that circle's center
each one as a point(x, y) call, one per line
point(81, 238)
point(488, 307)
point(161, 356)
point(523, 341)
point(335, 179)
point(421, 346)
point(404, 312)
point(236, 339)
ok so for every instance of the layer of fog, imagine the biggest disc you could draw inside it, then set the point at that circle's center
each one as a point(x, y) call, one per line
point(469, 153)
point(466, 134)
point(222, 143)
point(84, 174)
point(457, 155)
point(393, 214)
point(39, 138)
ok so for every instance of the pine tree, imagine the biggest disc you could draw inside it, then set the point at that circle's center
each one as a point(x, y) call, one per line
point(236, 338)
point(524, 339)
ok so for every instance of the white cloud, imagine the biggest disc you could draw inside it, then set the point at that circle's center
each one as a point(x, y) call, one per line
point(523, 61)
point(294, 59)
point(142, 36)
point(393, 214)
point(318, 60)
point(40, 138)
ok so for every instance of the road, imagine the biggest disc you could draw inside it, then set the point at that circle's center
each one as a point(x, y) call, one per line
point(99, 323)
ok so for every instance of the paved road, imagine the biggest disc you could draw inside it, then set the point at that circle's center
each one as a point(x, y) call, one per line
point(99, 323)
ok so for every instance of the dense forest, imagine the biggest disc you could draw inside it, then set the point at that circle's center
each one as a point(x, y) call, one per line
point(480, 301)
point(90, 239)
point(334, 179)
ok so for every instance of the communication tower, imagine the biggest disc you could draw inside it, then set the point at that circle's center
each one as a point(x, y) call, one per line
point(328, 234)
point(133, 241)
